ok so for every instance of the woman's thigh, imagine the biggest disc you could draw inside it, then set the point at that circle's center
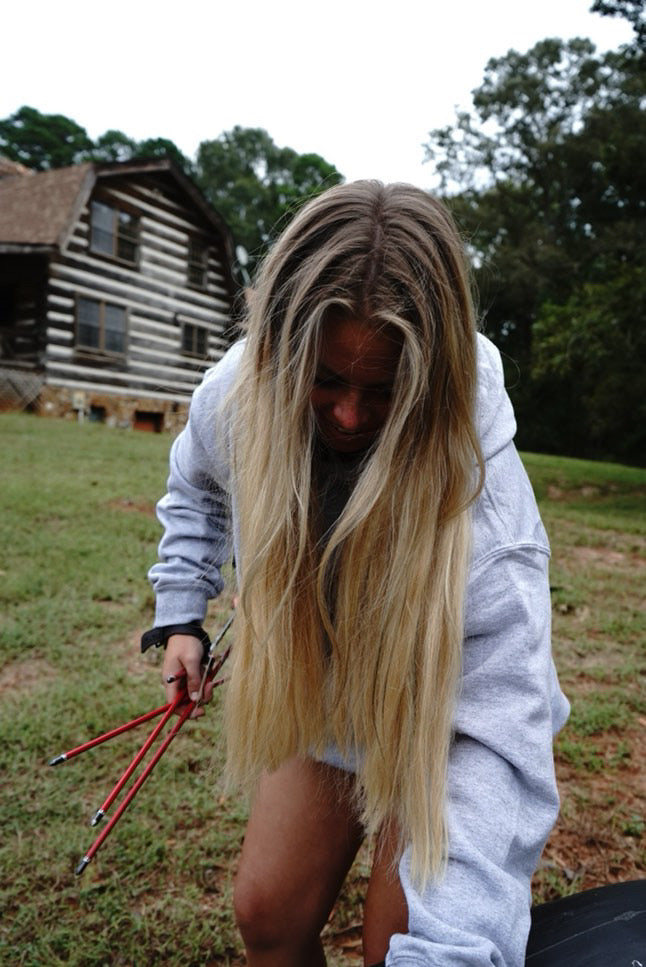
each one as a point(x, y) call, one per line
point(300, 842)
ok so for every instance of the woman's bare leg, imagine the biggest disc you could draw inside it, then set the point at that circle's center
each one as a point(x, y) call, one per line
point(385, 908)
point(301, 840)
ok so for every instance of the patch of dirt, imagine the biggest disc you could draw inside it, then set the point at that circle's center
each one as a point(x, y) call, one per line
point(137, 506)
point(605, 557)
point(580, 612)
point(21, 676)
point(560, 493)
point(127, 653)
point(600, 836)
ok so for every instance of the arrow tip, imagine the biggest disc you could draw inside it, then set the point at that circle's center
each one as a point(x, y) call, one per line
point(98, 816)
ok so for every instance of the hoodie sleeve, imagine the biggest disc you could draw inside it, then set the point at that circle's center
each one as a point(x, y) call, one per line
point(503, 799)
point(195, 512)
point(502, 795)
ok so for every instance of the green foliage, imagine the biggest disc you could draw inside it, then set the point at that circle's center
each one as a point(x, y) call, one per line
point(549, 185)
point(593, 348)
point(525, 107)
point(113, 146)
point(598, 713)
point(631, 10)
point(42, 141)
point(256, 185)
point(117, 146)
point(163, 148)
point(583, 757)
point(634, 826)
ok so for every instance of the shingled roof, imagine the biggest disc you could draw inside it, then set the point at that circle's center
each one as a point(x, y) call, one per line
point(39, 209)
point(9, 167)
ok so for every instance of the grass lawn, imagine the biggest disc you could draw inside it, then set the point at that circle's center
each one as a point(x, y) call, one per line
point(78, 533)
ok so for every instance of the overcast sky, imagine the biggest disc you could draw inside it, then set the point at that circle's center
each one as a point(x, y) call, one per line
point(360, 82)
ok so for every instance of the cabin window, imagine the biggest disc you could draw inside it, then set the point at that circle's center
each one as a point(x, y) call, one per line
point(114, 232)
point(100, 327)
point(198, 259)
point(7, 305)
point(194, 340)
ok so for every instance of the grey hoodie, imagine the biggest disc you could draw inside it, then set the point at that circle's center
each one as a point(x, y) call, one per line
point(502, 799)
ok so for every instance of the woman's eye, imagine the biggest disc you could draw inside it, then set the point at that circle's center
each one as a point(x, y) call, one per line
point(382, 394)
point(325, 381)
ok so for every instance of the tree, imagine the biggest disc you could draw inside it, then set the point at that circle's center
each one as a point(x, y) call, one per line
point(590, 355)
point(42, 141)
point(256, 185)
point(511, 160)
point(117, 146)
point(113, 146)
point(163, 148)
point(526, 105)
point(551, 194)
point(631, 10)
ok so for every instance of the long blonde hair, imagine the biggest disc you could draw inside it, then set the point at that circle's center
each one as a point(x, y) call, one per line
point(356, 639)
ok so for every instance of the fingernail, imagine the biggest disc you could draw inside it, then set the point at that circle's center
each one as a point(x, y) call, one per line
point(194, 696)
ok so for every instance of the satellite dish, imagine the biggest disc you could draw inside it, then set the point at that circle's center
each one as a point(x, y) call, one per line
point(242, 255)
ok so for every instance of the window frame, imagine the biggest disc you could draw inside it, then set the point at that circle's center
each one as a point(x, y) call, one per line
point(198, 262)
point(116, 233)
point(99, 351)
point(187, 326)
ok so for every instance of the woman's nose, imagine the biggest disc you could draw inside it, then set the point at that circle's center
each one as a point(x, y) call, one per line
point(348, 411)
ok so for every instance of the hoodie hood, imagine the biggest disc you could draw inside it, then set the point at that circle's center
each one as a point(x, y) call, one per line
point(495, 421)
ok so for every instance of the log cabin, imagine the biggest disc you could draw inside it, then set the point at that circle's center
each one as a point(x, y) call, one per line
point(116, 291)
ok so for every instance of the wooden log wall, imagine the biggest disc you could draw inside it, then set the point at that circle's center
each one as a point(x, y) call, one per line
point(155, 294)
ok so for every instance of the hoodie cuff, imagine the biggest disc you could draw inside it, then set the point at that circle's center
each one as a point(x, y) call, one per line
point(159, 636)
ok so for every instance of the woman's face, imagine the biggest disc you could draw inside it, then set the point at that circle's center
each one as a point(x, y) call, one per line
point(354, 383)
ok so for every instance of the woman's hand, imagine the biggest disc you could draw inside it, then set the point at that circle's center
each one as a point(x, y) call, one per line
point(183, 662)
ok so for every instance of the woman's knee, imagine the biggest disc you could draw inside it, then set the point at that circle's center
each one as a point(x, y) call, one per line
point(268, 919)
point(300, 842)
point(258, 915)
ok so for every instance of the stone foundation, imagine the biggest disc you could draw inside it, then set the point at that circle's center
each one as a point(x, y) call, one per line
point(137, 412)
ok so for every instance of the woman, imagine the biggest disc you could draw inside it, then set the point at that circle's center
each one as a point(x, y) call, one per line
point(391, 673)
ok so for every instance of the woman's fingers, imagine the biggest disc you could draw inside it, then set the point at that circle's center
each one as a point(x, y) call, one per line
point(182, 668)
